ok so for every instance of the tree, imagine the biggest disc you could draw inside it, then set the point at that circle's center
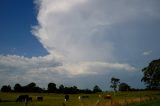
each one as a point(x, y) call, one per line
point(71, 90)
point(74, 89)
point(6, 88)
point(124, 87)
point(96, 89)
point(18, 88)
point(52, 87)
point(30, 87)
point(61, 88)
point(152, 75)
point(114, 83)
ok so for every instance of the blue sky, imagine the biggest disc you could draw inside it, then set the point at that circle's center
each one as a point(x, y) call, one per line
point(17, 19)
point(82, 42)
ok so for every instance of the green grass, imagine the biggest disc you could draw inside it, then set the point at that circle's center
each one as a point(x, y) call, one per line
point(149, 103)
point(51, 99)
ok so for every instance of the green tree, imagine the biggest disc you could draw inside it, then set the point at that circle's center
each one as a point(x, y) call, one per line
point(97, 89)
point(124, 87)
point(61, 88)
point(17, 88)
point(52, 87)
point(6, 88)
point(31, 85)
point(114, 83)
point(151, 75)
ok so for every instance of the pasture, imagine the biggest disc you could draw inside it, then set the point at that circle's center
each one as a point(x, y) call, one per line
point(51, 99)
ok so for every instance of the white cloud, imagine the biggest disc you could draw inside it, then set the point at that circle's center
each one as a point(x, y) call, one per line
point(69, 30)
point(147, 53)
point(19, 67)
point(73, 31)
point(94, 68)
point(42, 70)
point(11, 64)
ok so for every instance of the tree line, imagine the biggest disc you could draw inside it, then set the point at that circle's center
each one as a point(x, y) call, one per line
point(52, 88)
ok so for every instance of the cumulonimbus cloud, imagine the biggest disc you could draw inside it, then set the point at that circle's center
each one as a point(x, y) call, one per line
point(70, 30)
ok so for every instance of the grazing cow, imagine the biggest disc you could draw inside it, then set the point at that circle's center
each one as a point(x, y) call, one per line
point(39, 98)
point(108, 97)
point(22, 98)
point(66, 97)
point(85, 96)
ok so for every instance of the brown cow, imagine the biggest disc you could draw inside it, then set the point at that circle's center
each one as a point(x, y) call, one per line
point(108, 97)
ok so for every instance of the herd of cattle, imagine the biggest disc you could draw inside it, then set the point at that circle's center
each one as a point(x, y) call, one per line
point(27, 98)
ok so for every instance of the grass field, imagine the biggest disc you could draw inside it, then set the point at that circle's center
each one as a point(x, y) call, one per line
point(50, 99)
point(147, 103)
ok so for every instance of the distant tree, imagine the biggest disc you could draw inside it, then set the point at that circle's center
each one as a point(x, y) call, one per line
point(52, 87)
point(61, 89)
point(74, 89)
point(38, 89)
point(69, 90)
point(30, 87)
point(96, 89)
point(124, 87)
point(6, 88)
point(114, 83)
point(18, 88)
point(151, 75)
point(86, 91)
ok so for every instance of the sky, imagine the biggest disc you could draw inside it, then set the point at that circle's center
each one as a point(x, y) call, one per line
point(77, 42)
